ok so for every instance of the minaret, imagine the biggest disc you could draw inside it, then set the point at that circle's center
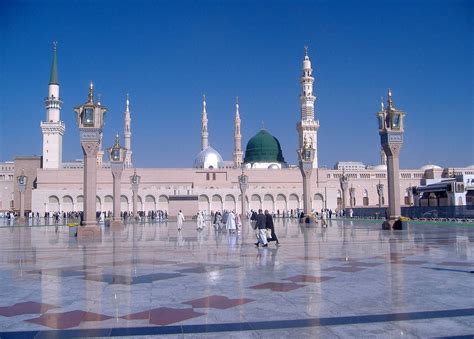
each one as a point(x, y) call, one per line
point(237, 137)
point(128, 135)
point(308, 126)
point(53, 128)
point(100, 153)
point(204, 133)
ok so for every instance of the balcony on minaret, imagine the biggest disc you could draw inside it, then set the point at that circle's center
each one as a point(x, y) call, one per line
point(52, 102)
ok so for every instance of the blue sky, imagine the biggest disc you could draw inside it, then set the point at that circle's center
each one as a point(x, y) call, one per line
point(166, 54)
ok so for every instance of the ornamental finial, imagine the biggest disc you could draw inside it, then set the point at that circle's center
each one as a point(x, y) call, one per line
point(127, 103)
point(389, 100)
point(306, 51)
point(117, 139)
point(382, 107)
point(91, 92)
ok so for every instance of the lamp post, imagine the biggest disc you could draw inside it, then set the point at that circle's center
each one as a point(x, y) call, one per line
point(244, 184)
point(117, 158)
point(352, 196)
point(344, 182)
point(22, 181)
point(306, 157)
point(135, 181)
point(410, 195)
point(391, 129)
point(380, 193)
point(90, 120)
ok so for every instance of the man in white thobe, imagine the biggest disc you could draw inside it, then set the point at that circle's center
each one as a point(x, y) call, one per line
point(179, 220)
point(230, 224)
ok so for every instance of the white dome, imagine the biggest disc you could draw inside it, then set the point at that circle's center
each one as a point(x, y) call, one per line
point(470, 166)
point(430, 166)
point(208, 158)
point(380, 168)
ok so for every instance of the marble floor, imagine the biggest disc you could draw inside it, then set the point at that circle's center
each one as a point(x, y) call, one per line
point(351, 279)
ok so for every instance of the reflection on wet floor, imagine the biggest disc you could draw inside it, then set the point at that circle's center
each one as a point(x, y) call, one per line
point(150, 278)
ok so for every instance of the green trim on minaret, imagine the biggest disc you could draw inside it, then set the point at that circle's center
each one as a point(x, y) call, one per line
point(53, 79)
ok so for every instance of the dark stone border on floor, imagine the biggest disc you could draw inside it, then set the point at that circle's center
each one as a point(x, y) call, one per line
point(237, 327)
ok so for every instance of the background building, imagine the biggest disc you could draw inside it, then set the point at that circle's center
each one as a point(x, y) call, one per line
point(211, 183)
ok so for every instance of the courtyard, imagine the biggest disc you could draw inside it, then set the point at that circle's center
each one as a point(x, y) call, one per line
point(349, 279)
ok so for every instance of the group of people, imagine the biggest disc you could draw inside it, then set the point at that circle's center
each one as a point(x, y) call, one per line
point(264, 227)
point(228, 219)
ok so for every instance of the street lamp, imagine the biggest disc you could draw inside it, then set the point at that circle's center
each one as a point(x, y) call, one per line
point(135, 181)
point(117, 158)
point(22, 181)
point(380, 192)
point(352, 196)
point(344, 182)
point(244, 184)
point(90, 120)
point(391, 129)
point(306, 157)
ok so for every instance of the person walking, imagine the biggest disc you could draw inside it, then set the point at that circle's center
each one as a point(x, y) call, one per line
point(261, 225)
point(269, 225)
point(179, 220)
point(230, 223)
point(323, 218)
point(200, 221)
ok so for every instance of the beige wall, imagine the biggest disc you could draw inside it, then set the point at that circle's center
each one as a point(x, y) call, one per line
point(269, 189)
point(6, 184)
point(29, 165)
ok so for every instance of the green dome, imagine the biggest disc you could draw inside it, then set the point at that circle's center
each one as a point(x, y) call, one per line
point(263, 147)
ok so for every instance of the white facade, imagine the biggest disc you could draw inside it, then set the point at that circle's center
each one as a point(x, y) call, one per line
point(349, 165)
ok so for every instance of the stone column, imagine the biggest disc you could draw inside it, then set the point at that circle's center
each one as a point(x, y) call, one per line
point(243, 204)
point(117, 175)
point(243, 184)
point(134, 200)
point(344, 181)
point(306, 168)
point(351, 195)
point(391, 130)
point(410, 195)
point(393, 176)
point(90, 149)
point(21, 218)
point(380, 193)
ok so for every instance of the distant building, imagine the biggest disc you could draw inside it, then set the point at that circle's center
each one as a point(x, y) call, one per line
point(349, 166)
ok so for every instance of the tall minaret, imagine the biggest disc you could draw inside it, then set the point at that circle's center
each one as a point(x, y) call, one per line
point(383, 156)
point(237, 137)
point(128, 134)
point(204, 133)
point(100, 153)
point(53, 128)
point(308, 126)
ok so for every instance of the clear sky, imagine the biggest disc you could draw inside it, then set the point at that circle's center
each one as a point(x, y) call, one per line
point(166, 54)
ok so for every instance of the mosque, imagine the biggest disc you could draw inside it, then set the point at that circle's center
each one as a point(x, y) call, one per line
point(212, 183)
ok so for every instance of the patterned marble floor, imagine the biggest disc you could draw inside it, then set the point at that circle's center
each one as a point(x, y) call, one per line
point(349, 280)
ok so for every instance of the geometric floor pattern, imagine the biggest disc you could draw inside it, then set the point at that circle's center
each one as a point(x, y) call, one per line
point(352, 279)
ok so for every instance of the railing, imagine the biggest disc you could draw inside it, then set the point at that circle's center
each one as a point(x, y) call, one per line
point(438, 213)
